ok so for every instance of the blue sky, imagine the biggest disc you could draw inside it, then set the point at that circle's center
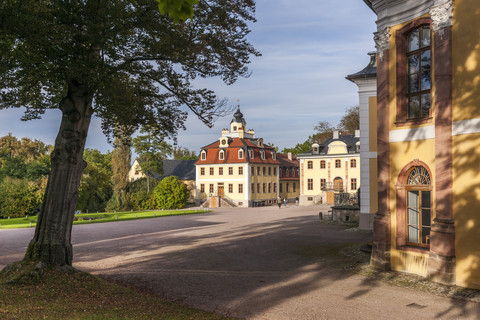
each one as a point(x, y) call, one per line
point(307, 46)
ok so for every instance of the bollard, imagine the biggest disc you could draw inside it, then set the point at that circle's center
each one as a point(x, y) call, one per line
point(30, 224)
point(320, 216)
point(154, 214)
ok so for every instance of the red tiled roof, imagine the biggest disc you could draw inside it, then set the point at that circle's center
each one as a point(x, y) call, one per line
point(231, 153)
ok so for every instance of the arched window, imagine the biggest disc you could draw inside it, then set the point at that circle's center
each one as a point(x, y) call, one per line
point(419, 206)
point(274, 155)
point(203, 155)
point(240, 154)
point(280, 172)
point(250, 153)
point(293, 172)
point(221, 155)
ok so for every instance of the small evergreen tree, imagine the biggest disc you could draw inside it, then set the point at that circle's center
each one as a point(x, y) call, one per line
point(171, 193)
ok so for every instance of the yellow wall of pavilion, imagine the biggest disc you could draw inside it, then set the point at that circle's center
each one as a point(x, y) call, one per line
point(466, 152)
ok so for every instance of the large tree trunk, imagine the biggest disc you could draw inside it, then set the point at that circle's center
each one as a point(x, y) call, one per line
point(52, 241)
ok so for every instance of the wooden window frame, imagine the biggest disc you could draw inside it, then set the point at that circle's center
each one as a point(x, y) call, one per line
point(353, 163)
point(401, 206)
point(240, 171)
point(323, 164)
point(401, 74)
point(309, 184)
point(309, 164)
point(338, 163)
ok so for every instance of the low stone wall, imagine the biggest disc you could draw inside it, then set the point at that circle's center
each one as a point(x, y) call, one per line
point(346, 213)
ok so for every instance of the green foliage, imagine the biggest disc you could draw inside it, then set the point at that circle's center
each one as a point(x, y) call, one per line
point(137, 64)
point(171, 193)
point(350, 120)
point(95, 186)
point(120, 163)
point(19, 198)
point(299, 147)
point(151, 149)
point(180, 153)
point(177, 9)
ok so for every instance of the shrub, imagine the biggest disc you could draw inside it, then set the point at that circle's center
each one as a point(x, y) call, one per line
point(19, 198)
point(171, 193)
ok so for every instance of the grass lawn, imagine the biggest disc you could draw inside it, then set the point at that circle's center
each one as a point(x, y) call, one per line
point(86, 218)
point(78, 295)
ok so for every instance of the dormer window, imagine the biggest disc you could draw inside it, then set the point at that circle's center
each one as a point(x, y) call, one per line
point(240, 154)
point(274, 155)
point(293, 172)
point(221, 155)
point(234, 128)
point(250, 153)
point(203, 155)
point(262, 154)
point(287, 172)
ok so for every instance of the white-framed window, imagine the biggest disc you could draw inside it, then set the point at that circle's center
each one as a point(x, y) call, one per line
point(250, 153)
point(240, 154)
point(203, 155)
point(274, 155)
point(221, 155)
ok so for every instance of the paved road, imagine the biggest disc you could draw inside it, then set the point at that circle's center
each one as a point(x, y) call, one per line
point(262, 263)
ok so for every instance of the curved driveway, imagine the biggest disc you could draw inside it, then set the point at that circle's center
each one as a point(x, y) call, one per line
point(257, 263)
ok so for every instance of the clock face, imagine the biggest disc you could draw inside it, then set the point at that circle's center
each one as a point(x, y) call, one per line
point(224, 142)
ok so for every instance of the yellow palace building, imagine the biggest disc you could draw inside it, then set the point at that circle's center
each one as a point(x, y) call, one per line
point(332, 166)
point(428, 133)
point(237, 169)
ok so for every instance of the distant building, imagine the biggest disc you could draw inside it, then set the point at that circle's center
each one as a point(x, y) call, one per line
point(332, 166)
point(238, 169)
point(135, 172)
point(289, 173)
point(182, 169)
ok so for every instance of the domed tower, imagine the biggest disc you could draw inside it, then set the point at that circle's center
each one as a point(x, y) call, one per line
point(238, 123)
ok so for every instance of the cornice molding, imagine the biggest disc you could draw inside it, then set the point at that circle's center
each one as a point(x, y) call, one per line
point(441, 14)
point(393, 12)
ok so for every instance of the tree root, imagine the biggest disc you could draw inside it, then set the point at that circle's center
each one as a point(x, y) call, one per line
point(27, 272)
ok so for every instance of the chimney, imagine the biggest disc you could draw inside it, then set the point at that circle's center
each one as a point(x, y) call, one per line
point(335, 134)
point(357, 133)
point(289, 156)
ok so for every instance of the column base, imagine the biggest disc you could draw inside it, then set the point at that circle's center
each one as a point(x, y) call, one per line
point(380, 258)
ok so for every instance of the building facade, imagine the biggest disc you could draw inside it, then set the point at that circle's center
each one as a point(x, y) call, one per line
point(289, 174)
point(428, 130)
point(330, 167)
point(366, 80)
point(238, 169)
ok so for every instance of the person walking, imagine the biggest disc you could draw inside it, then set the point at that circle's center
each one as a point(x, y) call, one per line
point(285, 202)
point(279, 202)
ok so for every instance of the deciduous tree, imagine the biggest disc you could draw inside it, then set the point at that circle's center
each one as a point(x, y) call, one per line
point(170, 193)
point(121, 60)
